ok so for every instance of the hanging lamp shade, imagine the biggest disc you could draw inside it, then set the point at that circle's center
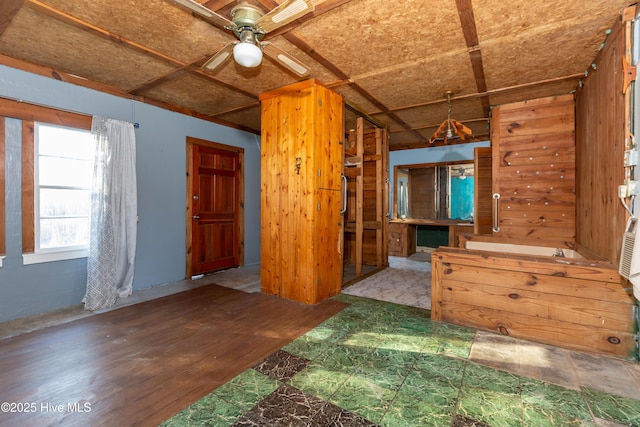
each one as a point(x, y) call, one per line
point(450, 129)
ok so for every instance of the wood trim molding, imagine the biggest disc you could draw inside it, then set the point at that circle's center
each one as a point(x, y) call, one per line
point(28, 226)
point(30, 113)
point(37, 113)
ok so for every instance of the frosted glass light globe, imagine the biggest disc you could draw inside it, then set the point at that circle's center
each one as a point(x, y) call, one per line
point(247, 54)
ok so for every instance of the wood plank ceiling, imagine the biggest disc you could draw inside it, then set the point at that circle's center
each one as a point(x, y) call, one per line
point(393, 61)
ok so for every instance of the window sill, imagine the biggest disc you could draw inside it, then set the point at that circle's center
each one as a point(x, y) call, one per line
point(40, 257)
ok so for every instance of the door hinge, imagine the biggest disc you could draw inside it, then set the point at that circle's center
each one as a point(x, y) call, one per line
point(629, 72)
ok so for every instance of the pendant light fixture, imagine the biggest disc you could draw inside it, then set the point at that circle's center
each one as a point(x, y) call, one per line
point(450, 129)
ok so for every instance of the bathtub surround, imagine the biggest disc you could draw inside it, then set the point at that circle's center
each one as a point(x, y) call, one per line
point(572, 303)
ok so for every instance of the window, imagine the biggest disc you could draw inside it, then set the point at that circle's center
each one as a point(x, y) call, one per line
point(29, 114)
point(62, 167)
point(63, 172)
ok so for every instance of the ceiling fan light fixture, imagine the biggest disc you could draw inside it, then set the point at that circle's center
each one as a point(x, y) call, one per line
point(247, 54)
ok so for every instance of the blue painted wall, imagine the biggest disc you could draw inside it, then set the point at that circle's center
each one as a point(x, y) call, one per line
point(161, 159)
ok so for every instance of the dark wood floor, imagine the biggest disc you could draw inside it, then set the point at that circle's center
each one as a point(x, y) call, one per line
point(141, 364)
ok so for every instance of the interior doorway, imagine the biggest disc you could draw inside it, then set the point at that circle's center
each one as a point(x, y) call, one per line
point(215, 201)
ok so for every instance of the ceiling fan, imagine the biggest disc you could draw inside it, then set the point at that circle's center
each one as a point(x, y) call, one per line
point(250, 24)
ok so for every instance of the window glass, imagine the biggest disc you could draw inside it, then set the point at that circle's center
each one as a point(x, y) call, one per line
point(63, 170)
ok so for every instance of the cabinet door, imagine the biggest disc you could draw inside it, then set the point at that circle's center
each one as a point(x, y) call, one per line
point(483, 215)
point(328, 138)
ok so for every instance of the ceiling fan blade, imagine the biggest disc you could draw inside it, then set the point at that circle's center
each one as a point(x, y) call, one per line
point(288, 11)
point(220, 58)
point(206, 13)
point(461, 129)
point(285, 60)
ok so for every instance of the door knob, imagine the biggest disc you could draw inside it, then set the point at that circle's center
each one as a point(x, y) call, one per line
point(196, 217)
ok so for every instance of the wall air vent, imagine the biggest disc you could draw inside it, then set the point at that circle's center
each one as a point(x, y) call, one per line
point(626, 254)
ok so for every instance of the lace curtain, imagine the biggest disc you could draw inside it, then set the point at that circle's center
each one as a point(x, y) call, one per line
point(113, 228)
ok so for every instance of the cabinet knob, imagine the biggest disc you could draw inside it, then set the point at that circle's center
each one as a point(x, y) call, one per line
point(196, 217)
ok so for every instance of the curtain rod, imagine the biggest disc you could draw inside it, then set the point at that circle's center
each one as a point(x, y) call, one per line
point(36, 104)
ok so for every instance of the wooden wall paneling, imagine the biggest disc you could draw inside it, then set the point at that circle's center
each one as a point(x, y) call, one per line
point(366, 239)
point(600, 144)
point(483, 203)
point(533, 168)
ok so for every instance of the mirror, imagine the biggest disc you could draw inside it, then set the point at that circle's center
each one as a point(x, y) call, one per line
point(435, 191)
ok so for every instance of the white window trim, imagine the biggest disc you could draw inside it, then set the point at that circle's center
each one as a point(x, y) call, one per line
point(1, 258)
point(58, 255)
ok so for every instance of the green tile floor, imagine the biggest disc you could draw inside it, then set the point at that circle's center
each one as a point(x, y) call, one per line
point(392, 366)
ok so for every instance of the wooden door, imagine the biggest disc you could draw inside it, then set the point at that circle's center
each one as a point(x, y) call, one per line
point(422, 188)
point(215, 181)
point(483, 220)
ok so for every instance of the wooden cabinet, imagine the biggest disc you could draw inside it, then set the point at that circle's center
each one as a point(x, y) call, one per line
point(402, 239)
point(301, 197)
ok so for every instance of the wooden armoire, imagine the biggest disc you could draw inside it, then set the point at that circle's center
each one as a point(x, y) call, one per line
point(301, 192)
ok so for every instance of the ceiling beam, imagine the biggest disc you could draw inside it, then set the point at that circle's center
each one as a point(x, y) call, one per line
point(306, 48)
point(490, 92)
point(470, 31)
point(171, 75)
point(8, 10)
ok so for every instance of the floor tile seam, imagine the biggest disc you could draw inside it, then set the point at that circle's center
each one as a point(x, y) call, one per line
point(613, 396)
point(581, 391)
point(397, 392)
point(524, 404)
point(592, 416)
point(459, 402)
point(243, 390)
